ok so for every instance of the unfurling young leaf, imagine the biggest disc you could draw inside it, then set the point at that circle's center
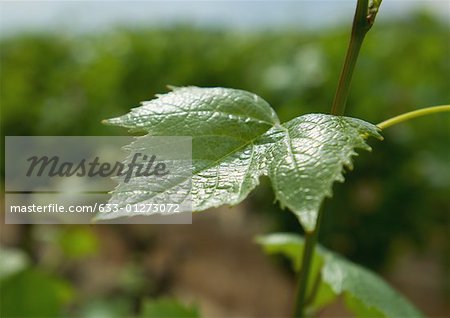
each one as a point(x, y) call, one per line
point(365, 294)
point(237, 138)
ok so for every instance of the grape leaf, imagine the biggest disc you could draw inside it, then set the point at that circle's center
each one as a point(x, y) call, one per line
point(236, 139)
point(223, 123)
point(365, 294)
point(310, 156)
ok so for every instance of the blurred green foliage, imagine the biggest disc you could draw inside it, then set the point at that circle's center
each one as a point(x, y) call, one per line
point(12, 261)
point(116, 308)
point(33, 292)
point(77, 243)
point(168, 308)
point(60, 84)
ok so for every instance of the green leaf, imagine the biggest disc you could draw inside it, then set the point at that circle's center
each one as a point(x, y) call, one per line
point(365, 294)
point(291, 245)
point(223, 123)
point(236, 139)
point(168, 308)
point(205, 112)
point(310, 156)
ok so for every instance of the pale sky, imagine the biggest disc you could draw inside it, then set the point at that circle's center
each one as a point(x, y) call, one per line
point(88, 16)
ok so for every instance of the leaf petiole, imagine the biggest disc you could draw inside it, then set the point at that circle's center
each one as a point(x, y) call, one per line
point(410, 115)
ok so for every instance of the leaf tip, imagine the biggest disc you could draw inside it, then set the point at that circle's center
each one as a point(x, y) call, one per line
point(173, 87)
point(308, 219)
point(339, 178)
point(376, 132)
point(110, 121)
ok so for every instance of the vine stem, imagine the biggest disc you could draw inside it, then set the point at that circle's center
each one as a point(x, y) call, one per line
point(410, 115)
point(307, 257)
point(362, 22)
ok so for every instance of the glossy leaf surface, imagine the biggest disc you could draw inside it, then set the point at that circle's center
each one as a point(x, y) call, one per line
point(237, 138)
